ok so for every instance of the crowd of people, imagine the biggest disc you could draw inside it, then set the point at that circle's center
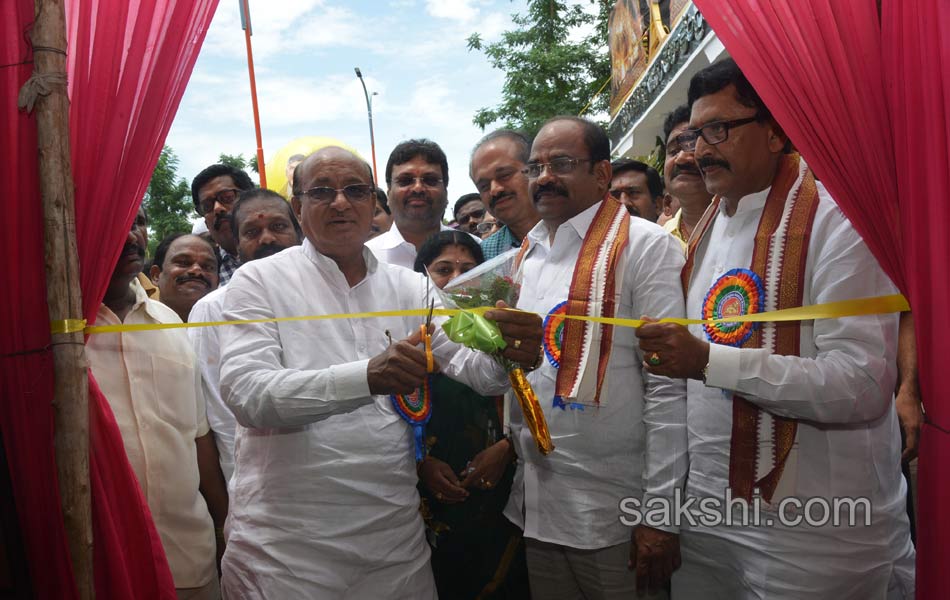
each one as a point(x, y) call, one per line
point(687, 459)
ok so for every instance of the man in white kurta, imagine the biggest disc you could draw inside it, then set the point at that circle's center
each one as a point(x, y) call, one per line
point(323, 495)
point(839, 387)
point(263, 224)
point(633, 445)
point(152, 384)
point(417, 174)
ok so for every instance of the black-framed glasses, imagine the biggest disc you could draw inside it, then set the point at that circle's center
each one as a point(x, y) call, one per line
point(558, 166)
point(713, 133)
point(224, 197)
point(407, 181)
point(475, 214)
point(356, 193)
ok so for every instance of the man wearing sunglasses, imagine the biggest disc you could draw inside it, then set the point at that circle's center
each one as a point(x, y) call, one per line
point(417, 174)
point(214, 191)
point(784, 418)
point(469, 212)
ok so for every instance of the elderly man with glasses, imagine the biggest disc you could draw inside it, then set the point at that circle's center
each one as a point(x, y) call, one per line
point(213, 191)
point(417, 174)
point(323, 495)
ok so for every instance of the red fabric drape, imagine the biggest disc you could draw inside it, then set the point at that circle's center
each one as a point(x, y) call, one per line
point(128, 66)
point(867, 100)
point(917, 78)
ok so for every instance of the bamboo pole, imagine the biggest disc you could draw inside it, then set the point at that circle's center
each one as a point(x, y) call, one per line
point(70, 396)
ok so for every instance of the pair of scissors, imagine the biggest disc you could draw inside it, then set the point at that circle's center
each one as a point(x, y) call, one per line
point(426, 336)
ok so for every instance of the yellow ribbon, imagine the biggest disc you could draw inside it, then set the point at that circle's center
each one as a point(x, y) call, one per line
point(828, 310)
point(67, 326)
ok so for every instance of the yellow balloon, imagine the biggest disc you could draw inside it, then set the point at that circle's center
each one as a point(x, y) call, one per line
point(276, 167)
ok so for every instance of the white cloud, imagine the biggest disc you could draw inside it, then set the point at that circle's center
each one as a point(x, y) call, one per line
point(456, 10)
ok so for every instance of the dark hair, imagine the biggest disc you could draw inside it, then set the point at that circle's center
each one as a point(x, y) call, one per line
point(520, 139)
point(165, 244)
point(679, 115)
point(241, 180)
point(295, 179)
point(383, 200)
point(595, 138)
point(408, 150)
point(463, 200)
point(296, 157)
point(654, 181)
point(718, 76)
point(261, 194)
point(433, 247)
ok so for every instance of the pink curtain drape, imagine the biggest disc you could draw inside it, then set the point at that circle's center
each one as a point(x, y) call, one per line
point(866, 101)
point(128, 66)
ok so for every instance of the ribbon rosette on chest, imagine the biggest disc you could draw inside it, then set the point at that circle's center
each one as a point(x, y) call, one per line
point(474, 293)
point(736, 293)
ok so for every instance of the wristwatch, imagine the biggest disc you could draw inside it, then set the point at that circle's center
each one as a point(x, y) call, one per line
point(705, 372)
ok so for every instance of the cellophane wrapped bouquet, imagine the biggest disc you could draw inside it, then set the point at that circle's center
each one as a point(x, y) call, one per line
point(474, 293)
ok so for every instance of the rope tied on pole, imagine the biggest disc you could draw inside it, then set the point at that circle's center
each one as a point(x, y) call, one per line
point(39, 84)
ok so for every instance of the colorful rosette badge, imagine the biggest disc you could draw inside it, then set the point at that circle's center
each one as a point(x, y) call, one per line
point(475, 292)
point(736, 293)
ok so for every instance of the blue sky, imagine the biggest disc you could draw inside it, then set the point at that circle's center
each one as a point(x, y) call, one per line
point(412, 52)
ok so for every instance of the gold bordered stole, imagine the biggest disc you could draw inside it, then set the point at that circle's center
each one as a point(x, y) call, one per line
point(761, 443)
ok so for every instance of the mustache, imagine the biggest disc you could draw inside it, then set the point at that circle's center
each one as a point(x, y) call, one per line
point(268, 250)
point(186, 278)
point(549, 188)
point(418, 196)
point(691, 169)
point(496, 199)
point(219, 219)
point(708, 161)
point(129, 248)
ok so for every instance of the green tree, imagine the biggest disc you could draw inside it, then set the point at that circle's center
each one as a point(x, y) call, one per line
point(233, 160)
point(167, 201)
point(546, 72)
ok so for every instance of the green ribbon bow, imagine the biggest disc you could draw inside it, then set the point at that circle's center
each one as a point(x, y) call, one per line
point(474, 331)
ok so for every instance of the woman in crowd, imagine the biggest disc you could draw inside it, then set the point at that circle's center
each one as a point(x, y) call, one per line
point(466, 476)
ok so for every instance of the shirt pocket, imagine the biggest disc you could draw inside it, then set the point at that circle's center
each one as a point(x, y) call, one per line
point(175, 393)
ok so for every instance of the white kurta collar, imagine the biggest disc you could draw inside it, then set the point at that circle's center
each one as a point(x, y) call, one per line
point(579, 223)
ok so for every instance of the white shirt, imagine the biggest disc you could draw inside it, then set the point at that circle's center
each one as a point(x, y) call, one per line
point(841, 388)
point(152, 384)
point(324, 483)
point(207, 345)
point(392, 248)
point(634, 444)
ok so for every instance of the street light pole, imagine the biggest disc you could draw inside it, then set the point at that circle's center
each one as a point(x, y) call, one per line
point(369, 111)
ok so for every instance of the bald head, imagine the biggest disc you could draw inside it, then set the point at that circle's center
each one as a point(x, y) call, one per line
point(328, 154)
point(337, 223)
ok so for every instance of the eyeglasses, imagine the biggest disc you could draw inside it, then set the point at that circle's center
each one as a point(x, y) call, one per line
point(485, 226)
point(356, 193)
point(429, 181)
point(224, 197)
point(713, 133)
point(558, 166)
point(475, 214)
